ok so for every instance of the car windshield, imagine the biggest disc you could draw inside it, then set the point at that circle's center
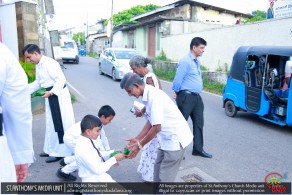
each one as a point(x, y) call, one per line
point(68, 45)
point(122, 54)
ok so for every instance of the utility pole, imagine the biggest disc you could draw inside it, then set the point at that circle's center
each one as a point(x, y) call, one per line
point(43, 25)
point(54, 35)
point(112, 20)
point(87, 23)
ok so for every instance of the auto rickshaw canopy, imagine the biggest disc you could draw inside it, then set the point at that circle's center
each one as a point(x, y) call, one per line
point(240, 57)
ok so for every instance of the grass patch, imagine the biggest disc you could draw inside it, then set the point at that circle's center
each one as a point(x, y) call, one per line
point(168, 75)
point(213, 87)
point(165, 74)
point(93, 55)
point(73, 98)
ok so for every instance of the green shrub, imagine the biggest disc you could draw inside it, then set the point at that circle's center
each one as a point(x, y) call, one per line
point(164, 74)
point(162, 56)
point(93, 55)
point(168, 75)
point(213, 87)
point(203, 68)
point(29, 69)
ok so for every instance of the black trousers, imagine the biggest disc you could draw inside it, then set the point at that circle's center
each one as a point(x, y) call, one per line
point(193, 106)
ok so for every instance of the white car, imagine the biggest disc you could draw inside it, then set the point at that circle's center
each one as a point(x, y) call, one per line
point(69, 51)
point(115, 62)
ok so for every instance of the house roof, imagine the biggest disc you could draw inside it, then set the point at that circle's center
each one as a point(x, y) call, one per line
point(154, 20)
point(100, 35)
point(164, 8)
point(194, 3)
point(96, 35)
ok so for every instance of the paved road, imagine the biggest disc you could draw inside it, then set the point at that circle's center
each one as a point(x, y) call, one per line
point(244, 148)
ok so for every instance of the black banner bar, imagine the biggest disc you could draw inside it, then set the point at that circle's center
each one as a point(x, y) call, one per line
point(145, 188)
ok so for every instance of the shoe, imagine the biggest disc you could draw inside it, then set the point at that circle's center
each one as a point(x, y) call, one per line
point(62, 162)
point(202, 154)
point(65, 176)
point(44, 155)
point(53, 159)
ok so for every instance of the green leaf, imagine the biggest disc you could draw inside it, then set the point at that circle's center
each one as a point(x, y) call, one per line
point(114, 153)
point(39, 92)
point(125, 152)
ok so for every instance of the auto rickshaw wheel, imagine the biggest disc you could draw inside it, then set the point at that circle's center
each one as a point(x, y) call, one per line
point(230, 109)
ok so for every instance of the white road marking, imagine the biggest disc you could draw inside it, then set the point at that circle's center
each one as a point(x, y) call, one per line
point(71, 86)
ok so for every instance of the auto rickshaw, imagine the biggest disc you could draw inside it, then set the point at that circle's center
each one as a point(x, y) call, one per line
point(255, 84)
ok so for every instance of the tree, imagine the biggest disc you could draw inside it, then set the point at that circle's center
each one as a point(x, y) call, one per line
point(257, 16)
point(79, 38)
point(126, 15)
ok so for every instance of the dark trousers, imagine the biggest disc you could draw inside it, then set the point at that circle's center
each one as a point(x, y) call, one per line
point(193, 106)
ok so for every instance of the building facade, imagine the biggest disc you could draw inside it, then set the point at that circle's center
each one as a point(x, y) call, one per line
point(178, 18)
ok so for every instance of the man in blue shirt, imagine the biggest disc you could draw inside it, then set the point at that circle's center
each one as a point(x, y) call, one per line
point(188, 85)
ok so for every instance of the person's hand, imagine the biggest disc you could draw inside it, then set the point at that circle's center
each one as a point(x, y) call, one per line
point(131, 143)
point(137, 112)
point(134, 151)
point(21, 172)
point(133, 147)
point(117, 164)
point(174, 96)
point(119, 157)
point(46, 94)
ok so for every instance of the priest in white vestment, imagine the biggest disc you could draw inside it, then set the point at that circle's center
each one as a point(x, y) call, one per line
point(50, 76)
point(16, 148)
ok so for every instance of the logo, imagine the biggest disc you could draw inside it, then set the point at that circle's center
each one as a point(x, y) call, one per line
point(274, 182)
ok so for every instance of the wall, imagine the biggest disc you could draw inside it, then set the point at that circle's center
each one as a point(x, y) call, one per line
point(27, 27)
point(223, 42)
point(141, 40)
point(8, 27)
point(212, 16)
point(181, 11)
point(118, 39)
point(99, 44)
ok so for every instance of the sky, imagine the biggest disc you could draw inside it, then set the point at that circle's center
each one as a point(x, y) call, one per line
point(70, 13)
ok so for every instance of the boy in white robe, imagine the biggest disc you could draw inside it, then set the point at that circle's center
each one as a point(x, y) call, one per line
point(93, 164)
point(106, 114)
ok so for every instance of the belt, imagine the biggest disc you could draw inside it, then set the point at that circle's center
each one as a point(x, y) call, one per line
point(188, 92)
point(49, 88)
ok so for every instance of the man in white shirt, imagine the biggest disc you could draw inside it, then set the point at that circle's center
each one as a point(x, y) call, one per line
point(59, 110)
point(16, 148)
point(165, 121)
